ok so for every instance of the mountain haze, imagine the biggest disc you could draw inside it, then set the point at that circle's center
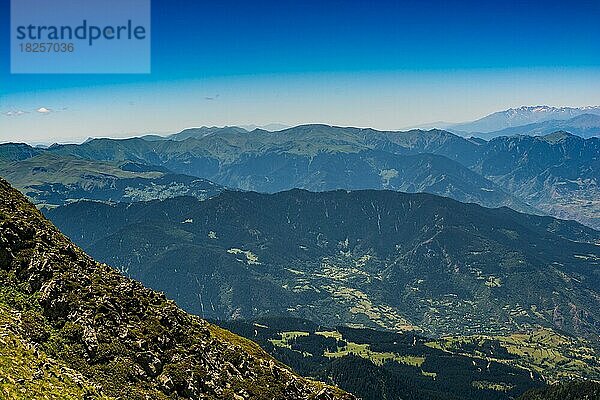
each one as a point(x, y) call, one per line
point(585, 125)
point(554, 174)
point(524, 115)
point(563, 181)
point(314, 157)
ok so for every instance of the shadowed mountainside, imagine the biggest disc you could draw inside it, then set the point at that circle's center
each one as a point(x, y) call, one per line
point(371, 258)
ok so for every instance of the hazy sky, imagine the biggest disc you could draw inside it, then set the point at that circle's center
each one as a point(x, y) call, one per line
point(380, 64)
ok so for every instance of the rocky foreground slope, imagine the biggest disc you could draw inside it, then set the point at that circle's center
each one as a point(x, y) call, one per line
point(74, 328)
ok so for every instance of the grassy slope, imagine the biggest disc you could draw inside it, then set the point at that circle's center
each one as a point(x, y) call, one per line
point(28, 373)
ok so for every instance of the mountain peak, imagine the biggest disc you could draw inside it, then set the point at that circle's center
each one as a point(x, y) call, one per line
point(548, 109)
point(523, 115)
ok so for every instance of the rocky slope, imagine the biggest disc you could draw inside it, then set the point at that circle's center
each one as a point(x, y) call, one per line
point(68, 321)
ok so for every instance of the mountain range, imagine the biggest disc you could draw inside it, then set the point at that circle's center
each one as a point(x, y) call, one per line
point(558, 173)
point(525, 115)
point(555, 174)
point(585, 125)
point(73, 328)
point(50, 180)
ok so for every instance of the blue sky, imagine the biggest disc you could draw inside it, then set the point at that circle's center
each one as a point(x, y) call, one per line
point(382, 64)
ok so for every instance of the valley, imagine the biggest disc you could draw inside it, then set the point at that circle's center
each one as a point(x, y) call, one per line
point(394, 364)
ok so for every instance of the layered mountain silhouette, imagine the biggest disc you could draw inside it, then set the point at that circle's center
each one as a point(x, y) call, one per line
point(555, 174)
point(559, 173)
point(52, 180)
point(473, 300)
point(585, 125)
point(525, 115)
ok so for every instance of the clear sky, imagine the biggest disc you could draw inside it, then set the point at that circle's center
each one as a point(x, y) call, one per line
point(382, 64)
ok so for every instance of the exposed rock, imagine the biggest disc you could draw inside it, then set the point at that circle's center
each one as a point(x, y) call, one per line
point(150, 363)
point(90, 339)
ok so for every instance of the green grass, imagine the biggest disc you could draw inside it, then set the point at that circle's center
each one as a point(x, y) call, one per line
point(378, 358)
point(29, 374)
point(46, 168)
point(556, 357)
point(350, 348)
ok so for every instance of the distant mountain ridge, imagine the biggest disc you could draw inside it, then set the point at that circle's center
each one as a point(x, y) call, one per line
point(210, 130)
point(268, 127)
point(584, 125)
point(315, 157)
point(559, 173)
point(564, 182)
point(52, 180)
point(521, 116)
point(198, 133)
